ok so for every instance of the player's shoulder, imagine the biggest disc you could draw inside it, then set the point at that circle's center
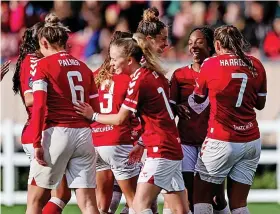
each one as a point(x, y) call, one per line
point(211, 61)
point(182, 71)
point(256, 62)
point(121, 78)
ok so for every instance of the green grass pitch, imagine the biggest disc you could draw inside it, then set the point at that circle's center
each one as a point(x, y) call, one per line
point(255, 208)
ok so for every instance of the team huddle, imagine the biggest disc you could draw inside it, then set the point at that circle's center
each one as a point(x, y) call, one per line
point(88, 130)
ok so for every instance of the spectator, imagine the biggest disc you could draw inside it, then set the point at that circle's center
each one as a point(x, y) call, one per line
point(272, 41)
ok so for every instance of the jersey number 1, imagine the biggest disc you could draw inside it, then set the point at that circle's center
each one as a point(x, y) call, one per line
point(161, 91)
point(76, 88)
point(244, 78)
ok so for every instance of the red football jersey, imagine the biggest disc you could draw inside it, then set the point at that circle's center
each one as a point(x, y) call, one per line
point(110, 100)
point(26, 68)
point(194, 130)
point(59, 81)
point(147, 93)
point(233, 91)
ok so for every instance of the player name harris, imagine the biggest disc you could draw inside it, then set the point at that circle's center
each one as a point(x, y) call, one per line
point(68, 62)
point(232, 62)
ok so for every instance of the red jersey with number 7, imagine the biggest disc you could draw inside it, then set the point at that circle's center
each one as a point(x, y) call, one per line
point(233, 92)
point(147, 94)
point(59, 81)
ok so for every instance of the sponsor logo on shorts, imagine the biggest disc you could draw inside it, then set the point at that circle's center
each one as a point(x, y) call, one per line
point(103, 129)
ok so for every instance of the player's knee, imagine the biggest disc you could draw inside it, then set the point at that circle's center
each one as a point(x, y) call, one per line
point(219, 202)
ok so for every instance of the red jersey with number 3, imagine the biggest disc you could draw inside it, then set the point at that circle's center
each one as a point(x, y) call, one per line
point(147, 93)
point(194, 130)
point(233, 92)
point(110, 100)
point(60, 80)
point(26, 68)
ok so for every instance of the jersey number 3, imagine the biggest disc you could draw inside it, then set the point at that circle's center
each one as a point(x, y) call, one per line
point(76, 88)
point(244, 78)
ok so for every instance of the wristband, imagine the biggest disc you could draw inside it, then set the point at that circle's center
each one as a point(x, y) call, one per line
point(94, 116)
point(140, 142)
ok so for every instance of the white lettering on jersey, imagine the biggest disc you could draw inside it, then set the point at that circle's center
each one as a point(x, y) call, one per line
point(102, 129)
point(68, 62)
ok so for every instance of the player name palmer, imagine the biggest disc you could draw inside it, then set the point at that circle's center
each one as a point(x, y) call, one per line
point(68, 62)
point(232, 62)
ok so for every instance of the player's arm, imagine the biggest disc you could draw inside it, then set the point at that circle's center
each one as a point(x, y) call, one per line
point(174, 92)
point(93, 98)
point(261, 98)
point(201, 91)
point(39, 106)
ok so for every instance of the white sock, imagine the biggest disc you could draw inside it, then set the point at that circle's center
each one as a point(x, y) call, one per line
point(58, 202)
point(203, 208)
point(116, 198)
point(241, 210)
point(224, 211)
point(166, 211)
point(190, 212)
point(125, 210)
point(131, 211)
point(146, 211)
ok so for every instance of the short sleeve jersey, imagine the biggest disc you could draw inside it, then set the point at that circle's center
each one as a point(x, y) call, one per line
point(148, 95)
point(66, 80)
point(110, 100)
point(233, 92)
point(194, 130)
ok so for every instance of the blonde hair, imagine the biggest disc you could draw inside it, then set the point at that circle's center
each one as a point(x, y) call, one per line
point(138, 47)
point(54, 31)
point(106, 71)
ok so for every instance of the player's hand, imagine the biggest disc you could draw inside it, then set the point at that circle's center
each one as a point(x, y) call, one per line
point(135, 154)
point(39, 156)
point(183, 112)
point(4, 69)
point(84, 109)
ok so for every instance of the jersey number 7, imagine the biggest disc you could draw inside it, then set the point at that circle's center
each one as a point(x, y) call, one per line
point(244, 78)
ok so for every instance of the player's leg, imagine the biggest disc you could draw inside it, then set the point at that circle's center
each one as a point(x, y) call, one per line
point(219, 202)
point(125, 173)
point(59, 198)
point(104, 190)
point(177, 202)
point(146, 193)
point(213, 165)
point(157, 174)
point(44, 178)
point(242, 175)
point(116, 198)
point(81, 170)
point(37, 197)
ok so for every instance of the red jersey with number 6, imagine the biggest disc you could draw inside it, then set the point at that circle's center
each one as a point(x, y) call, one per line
point(147, 93)
point(233, 92)
point(110, 100)
point(59, 81)
point(26, 68)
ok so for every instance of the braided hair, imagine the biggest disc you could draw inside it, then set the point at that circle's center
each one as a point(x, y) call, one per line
point(29, 45)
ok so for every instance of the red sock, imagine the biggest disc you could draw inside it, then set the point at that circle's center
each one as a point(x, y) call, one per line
point(51, 208)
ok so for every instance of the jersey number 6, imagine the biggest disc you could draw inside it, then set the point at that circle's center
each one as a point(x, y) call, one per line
point(76, 88)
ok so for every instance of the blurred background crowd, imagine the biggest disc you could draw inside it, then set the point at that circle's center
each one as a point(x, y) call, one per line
point(93, 22)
